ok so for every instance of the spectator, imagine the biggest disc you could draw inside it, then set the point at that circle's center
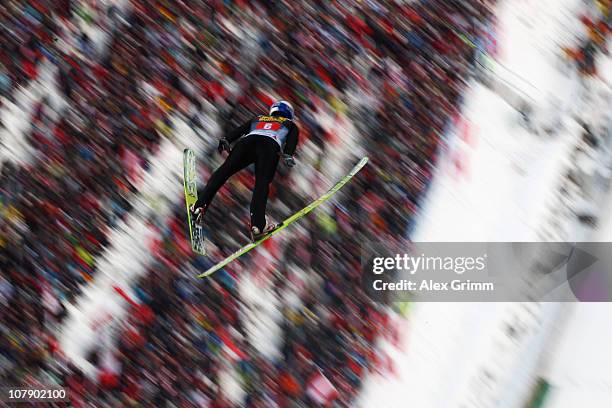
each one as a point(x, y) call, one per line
point(405, 62)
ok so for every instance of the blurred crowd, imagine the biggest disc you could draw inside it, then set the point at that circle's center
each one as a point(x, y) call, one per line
point(394, 69)
point(597, 23)
point(27, 33)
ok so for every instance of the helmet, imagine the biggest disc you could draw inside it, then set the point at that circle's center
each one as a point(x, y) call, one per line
point(281, 108)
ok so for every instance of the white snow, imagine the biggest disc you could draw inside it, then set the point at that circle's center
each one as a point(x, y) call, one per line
point(458, 354)
point(578, 366)
point(508, 174)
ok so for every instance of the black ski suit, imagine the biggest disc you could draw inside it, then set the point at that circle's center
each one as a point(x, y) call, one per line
point(260, 141)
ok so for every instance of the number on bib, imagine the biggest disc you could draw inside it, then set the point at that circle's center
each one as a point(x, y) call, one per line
point(268, 126)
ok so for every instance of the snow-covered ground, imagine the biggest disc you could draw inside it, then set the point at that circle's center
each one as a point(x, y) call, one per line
point(507, 177)
point(578, 364)
point(508, 174)
point(579, 370)
point(497, 182)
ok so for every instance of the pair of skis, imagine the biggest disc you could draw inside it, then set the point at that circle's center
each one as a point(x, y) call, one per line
point(196, 232)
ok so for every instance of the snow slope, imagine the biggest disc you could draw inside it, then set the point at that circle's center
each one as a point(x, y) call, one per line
point(578, 366)
point(496, 182)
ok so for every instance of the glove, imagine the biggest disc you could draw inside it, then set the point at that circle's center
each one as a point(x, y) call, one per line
point(289, 160)
point(223, 145)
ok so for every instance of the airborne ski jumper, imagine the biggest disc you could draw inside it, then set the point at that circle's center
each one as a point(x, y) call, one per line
point(261, 141)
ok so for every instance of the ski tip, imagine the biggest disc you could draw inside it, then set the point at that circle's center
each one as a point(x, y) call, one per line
point(210, 271)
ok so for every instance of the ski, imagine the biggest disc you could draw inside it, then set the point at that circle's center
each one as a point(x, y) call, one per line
point(295, 217)
point(190, 186)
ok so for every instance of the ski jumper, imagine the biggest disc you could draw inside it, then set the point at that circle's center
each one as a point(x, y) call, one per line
point(260, 141)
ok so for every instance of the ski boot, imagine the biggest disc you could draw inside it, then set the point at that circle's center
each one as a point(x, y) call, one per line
point(197, 213)
point(256, 234)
